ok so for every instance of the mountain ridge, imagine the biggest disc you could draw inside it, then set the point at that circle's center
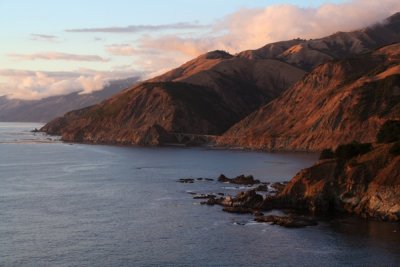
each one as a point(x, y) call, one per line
point(242, 82)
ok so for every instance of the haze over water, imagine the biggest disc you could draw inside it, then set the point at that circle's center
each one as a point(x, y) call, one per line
point(87, 205)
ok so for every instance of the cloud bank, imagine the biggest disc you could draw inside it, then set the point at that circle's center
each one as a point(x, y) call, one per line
point(254, 28)
point(33, 85)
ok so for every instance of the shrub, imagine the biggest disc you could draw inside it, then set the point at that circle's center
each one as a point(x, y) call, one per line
point(327, 154)
point(389, 132)
point(351, 150)
point(395, 149)
point(353, 162)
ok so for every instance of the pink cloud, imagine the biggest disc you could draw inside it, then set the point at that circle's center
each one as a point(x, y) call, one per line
point(254, 28)
point(121, 50)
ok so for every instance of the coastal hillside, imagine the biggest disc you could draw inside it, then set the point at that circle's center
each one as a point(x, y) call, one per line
point(145, 115)
point(338, 102)
point(242, 83)
point(46, 109)
point(211, 93)
point(204, 96)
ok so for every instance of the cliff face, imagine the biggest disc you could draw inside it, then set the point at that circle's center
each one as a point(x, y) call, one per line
point(368, 185)
point(338, 102)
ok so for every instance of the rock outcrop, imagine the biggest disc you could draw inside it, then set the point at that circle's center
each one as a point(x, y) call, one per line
point(241, 179)
point(364, 183)
point(244, 202)
point(368, 186)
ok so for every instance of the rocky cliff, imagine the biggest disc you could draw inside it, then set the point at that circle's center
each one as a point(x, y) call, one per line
point(338, 102)
point(368, 186)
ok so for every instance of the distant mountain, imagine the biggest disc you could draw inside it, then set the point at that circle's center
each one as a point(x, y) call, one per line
point(214, 91)
point(338, 102)
point(44, 110)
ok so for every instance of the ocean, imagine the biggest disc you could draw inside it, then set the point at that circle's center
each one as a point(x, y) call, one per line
point(67, 204)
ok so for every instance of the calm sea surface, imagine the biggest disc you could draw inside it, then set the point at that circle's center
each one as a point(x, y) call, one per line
point(86, 205)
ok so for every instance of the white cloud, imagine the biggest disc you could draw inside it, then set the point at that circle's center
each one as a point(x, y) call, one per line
point(92, 83)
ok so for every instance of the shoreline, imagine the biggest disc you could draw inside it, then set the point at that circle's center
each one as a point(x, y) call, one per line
point(179, 145)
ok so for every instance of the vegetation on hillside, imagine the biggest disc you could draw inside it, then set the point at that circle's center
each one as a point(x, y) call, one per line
point(346, 151)
point(389, 132)
point(395, 149)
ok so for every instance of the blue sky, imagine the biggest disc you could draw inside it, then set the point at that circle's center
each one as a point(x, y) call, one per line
point(20, 18)
point(35, 37)
point(55, 15)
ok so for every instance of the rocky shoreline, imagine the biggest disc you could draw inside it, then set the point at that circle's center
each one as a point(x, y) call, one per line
point(366, 185)
point(253, 201)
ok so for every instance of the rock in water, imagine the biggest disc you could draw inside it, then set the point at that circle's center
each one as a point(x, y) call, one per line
point(186, 181)
point(244, 202)
point(241, 179)
point(287, 221)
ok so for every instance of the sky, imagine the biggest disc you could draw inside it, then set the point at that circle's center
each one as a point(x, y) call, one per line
point(57, 47)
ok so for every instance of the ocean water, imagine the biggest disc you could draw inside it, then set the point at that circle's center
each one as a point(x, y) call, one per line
point(87, 205)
